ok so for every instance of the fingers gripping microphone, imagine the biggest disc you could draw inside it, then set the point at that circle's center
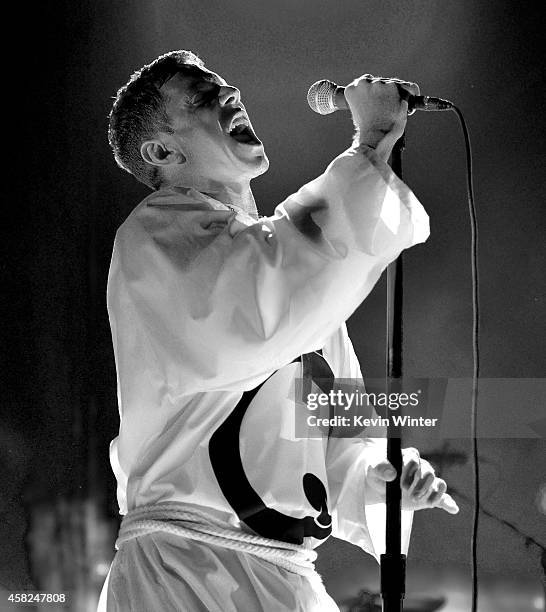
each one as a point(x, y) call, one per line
point(325, 97)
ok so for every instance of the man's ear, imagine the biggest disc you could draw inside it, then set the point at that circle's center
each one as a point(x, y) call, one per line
point(157, 153)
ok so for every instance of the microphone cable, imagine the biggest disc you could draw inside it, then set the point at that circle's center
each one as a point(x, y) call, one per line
point(475, 358)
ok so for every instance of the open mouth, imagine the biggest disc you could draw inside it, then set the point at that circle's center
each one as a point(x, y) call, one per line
point(241, 131)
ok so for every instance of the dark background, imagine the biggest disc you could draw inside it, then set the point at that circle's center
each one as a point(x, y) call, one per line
point(66, 198)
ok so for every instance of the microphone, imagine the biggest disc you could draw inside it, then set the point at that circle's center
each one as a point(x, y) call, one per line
point(325, 97)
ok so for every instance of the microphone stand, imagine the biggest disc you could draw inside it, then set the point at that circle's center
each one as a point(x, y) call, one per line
point(393, 562)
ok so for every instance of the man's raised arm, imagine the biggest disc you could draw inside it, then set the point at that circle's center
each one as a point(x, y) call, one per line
point(224, 305)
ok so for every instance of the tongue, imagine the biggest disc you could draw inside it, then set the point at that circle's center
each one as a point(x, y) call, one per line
point(243, 136)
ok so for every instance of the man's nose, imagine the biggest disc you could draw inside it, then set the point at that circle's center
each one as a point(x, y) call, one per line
point(229, 96)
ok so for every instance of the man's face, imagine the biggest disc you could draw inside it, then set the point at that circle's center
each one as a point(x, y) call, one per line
point(212, 129)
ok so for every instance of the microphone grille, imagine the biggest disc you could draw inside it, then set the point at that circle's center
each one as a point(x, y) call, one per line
point(321, 96)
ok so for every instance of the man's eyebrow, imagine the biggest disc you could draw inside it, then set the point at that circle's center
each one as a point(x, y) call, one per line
point(199, 82)
point(214, 79)
point(203, 75)
point(205, 85)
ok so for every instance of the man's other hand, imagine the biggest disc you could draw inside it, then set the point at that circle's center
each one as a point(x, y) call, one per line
point(420, 487)
point(379, 111)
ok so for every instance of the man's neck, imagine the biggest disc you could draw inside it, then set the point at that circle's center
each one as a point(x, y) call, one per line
point(238, 195)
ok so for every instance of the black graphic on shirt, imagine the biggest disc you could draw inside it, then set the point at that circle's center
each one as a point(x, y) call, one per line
point(228, 468)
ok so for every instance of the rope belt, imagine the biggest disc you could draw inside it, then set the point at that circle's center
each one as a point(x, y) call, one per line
point(179, 519)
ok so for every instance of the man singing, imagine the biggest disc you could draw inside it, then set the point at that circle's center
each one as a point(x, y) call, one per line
point(215, 313)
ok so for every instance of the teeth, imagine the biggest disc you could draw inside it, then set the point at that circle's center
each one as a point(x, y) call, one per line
point(240, 122)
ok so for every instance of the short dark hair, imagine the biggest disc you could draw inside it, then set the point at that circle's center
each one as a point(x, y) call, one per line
point(139, 112)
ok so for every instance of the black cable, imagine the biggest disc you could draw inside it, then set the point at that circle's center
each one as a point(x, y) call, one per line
point(476, 357)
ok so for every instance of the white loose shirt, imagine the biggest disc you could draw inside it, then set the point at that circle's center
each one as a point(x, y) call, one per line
point(205, 306)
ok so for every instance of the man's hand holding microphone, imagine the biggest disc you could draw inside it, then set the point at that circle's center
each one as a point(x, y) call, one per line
point(379, 109)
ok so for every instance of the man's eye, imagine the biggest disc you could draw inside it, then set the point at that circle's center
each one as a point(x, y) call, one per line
point(202, 99)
